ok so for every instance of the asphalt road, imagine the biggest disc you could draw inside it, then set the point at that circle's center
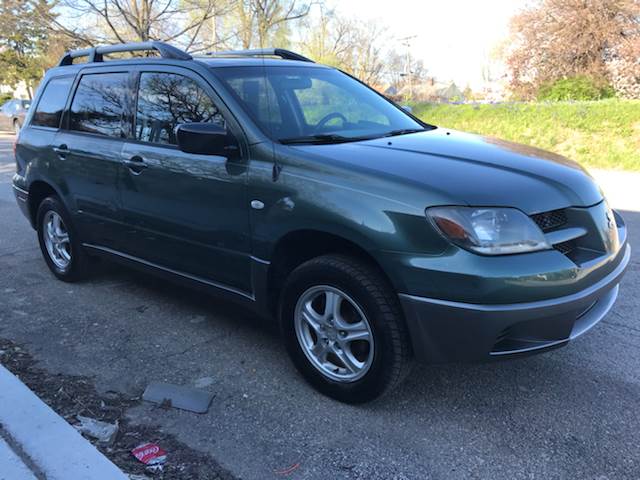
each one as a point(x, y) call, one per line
point(570, 413)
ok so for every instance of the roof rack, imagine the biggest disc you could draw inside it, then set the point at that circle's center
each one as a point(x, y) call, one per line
point(95, 53)
point(263, 52)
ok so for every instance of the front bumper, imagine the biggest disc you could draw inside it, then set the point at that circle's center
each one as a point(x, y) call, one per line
point(448, 331)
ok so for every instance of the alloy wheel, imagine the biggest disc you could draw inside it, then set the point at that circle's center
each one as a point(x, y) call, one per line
point(56, 240)
point(334, 333)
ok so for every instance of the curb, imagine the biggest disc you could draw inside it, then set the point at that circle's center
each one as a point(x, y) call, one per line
point(57, 450)
point(11, 465)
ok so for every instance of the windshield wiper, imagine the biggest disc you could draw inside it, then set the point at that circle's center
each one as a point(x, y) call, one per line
point(403, 131)
point(326, 138)
point(318, 139)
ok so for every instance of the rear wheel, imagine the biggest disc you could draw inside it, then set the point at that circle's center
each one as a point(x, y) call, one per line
point(344, 329)
point(59, 244)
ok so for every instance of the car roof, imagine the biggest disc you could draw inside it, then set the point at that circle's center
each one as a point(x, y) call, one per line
point(208, 61)
point(221, 62)
point(167, 54)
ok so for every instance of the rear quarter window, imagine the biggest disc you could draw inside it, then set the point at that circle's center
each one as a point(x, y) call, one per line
point(52, 101)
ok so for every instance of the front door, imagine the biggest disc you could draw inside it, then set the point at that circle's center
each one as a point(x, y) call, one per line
point(184, 212)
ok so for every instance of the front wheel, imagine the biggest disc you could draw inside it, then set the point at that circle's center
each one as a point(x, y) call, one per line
point(344, 329)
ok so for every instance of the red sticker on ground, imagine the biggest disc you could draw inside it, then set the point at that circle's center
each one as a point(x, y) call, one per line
point(149, 454)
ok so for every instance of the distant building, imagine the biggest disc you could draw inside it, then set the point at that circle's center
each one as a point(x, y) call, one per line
point(432, 90)
point(390, 91)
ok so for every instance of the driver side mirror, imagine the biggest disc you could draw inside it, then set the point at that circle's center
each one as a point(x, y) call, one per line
point(205, 139)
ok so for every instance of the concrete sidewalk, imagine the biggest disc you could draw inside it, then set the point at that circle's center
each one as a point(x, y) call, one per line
point(12, 467)
point(36, 443)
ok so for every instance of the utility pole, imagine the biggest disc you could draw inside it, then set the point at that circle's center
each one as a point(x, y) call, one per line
point(406, 42)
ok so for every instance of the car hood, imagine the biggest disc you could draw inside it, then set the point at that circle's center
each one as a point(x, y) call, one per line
point(471, 169)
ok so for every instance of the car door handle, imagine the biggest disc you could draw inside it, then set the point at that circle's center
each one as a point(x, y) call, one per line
point(62, 151)
point(136, 164)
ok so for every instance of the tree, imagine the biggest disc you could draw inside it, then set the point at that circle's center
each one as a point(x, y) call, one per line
point(92, 22)
point(351, 45)
point(326, 39)
point(555, 39)
point(24, 53)
point(214, 34)
point(401, 70)
point(260, 23)
point(272, 15)
point(624, 69)
point(195, 25)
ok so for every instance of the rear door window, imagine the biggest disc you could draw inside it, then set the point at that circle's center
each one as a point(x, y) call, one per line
point(98, 106)
point(52, 101)
point(168, 99)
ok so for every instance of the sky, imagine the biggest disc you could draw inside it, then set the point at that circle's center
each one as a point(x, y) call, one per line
point(454, 38)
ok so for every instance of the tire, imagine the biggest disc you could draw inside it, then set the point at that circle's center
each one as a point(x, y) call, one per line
point(16, 127)
point(76, 266)
point(369, 308)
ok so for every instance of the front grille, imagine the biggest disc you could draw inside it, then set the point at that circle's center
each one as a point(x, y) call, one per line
point(575, 232)
point(565, 247)
point(550, 220)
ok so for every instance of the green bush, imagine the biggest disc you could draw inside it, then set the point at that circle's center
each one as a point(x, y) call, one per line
point(599, 134)
point(4, 97)
point(575, 88)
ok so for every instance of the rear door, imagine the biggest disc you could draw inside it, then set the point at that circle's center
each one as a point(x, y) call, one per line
point(184, 212)
point(89, 149)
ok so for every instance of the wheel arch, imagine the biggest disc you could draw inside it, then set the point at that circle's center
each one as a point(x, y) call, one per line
point(298, 246)
point(38, 191)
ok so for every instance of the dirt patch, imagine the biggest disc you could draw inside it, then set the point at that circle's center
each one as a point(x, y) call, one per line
point(71, 395)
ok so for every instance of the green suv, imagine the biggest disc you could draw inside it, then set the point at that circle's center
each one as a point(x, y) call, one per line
point(373, 238)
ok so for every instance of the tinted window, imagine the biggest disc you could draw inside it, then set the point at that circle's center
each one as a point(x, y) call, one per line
point(167, 99)
point(52, 102)
point(98, 105)
point(260, 98)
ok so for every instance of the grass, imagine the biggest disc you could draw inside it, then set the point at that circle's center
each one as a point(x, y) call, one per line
point(599, 134)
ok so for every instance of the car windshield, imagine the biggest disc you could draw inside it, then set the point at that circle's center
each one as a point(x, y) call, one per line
point(313, 105)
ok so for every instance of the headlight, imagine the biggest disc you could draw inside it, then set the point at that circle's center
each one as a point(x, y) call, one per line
point(489, 231)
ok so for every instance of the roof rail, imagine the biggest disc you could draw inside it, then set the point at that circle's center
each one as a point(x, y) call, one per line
point(95, 53)
point(262, 52)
